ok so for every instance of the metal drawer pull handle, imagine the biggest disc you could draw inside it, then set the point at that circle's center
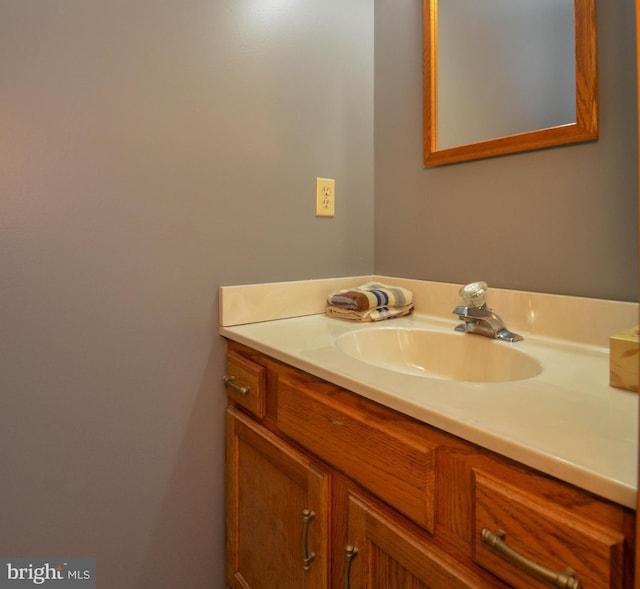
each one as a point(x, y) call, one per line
point(229, 382)
point(350, 552)
point(564, 580)
point(307, 557)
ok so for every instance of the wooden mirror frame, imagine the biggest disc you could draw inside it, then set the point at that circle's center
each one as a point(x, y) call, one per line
point(584, 129)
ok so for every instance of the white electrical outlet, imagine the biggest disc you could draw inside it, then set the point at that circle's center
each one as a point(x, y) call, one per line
point(325, 197)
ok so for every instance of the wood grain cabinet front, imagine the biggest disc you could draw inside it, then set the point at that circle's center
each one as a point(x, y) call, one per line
point(384, 553)
point(381, 454)
point(246, 383)
point(533, 542)
point(328, 490)
point(277, 511)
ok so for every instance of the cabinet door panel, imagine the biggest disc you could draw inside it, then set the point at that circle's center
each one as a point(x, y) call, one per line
point(390, 556)
point(545, 534)
point(245, 383)
point(269, 486)
point(349, 438)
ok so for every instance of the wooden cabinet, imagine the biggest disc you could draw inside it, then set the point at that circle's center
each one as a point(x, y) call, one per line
point(379, 453)
point(277, 511)
point(384, 552)
point(531, 541)
point(245, 382)
point(395, 503)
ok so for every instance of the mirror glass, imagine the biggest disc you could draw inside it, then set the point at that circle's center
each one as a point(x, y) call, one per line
point(520, 68)
point(502, 76)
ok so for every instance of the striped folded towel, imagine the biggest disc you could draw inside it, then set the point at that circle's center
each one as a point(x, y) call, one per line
point(370, 302)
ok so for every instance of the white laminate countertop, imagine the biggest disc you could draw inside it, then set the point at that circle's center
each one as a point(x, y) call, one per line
point(566, 422)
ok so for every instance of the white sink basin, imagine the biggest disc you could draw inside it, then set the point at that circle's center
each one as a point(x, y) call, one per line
point(434, 354)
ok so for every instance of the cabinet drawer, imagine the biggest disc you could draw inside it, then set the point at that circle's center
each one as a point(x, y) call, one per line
point(550, 537)
point(343, 435)
point(245, 383)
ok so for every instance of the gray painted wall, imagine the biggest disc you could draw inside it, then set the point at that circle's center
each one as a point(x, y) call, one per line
point(562, 220)
point(149, 153)
point(153, 151)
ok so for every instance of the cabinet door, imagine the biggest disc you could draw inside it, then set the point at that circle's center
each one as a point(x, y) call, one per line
point(277, 511)
point(532, 542)
point(383, 553)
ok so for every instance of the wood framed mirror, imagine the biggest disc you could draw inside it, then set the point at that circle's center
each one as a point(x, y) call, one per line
point(495, 84)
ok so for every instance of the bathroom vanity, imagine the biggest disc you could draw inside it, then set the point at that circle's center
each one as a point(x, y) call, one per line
point(345, 474)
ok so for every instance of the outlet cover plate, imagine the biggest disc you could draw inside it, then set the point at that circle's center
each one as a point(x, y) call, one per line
point(325, 197)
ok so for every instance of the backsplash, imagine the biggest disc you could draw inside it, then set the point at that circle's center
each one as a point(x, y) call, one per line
point(577, 319)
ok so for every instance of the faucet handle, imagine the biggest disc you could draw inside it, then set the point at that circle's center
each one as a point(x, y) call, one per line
point(474, 294)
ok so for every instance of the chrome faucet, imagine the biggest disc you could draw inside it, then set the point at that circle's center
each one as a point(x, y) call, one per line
point(478, 318)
